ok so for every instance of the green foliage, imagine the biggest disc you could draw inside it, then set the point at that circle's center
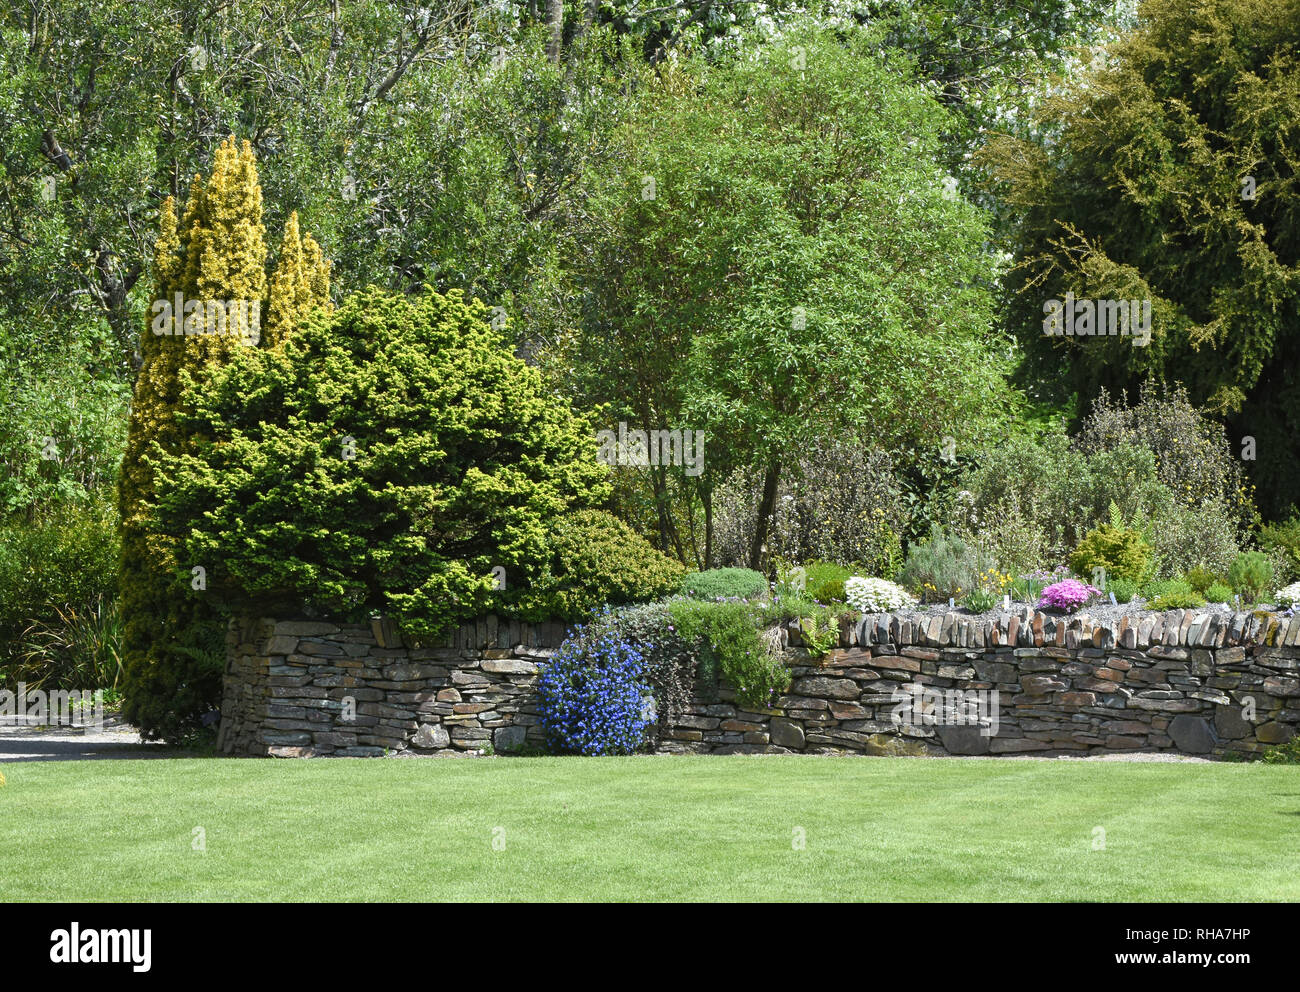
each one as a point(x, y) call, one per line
point(1251, 575)
point(388, 457)
point(173, 636)
point(1123, 589)
point(1193, 457)
point(1121, 551)
point(1172, 594)
point(724, 583)
point(63, 426)
point(1202, 96)
point(1283, 539)
point(980, 600)
point(1187, 537)
point(825, 581)
point(943, 567)
point(726, 638)
point(1283, 754)
point(79, 647)
point(62, 562)
point(1200, 579)
point(1219, 593)
point(766, 265)
point(836, 503)
point(1032, 500)
point(596, 559)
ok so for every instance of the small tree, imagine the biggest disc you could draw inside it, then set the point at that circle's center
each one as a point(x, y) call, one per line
point(173, 637)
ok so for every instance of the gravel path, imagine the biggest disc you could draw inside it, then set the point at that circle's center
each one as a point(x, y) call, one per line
point(114, 740)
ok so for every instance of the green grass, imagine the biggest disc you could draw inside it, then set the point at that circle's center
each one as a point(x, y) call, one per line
point(673, 828)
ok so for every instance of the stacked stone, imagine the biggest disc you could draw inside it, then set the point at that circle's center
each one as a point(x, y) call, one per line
point(1174, 681)
point(296, 688)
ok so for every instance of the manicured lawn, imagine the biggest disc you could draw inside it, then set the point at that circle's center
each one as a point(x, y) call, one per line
point(648, 828)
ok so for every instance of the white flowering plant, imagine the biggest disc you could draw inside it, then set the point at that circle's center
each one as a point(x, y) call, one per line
point(875, 595)
point(1288, 595)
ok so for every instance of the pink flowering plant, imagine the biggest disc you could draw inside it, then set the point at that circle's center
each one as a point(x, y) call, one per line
point(1067, 595)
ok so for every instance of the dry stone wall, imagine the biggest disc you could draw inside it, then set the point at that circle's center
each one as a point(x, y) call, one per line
point(1021, 682)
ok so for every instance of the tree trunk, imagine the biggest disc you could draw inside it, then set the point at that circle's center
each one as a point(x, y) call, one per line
point(555, 21)
point(708, 527)
point(771, 477)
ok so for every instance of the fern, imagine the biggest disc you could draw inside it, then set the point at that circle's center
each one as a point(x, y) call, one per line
point(1116, 517)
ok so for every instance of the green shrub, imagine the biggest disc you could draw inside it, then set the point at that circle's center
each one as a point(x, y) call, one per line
point(1283, 754)
point(1193, 457)
point(1013, 541)
point(1036, 499)
point(1124, 589)
point(388, 457)
point(943, 567)
point(727, 640)
point(1172, 594)
point(1200, 578)
point(826, 581)
point(596, 560)
point(1284, 540)
point(65, 559)
point(724, 583)
point(1201, 536)
point(1121, 551)
point(1218, 593)
point(1251, 575)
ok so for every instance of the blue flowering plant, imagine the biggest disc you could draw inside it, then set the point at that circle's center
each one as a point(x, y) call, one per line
point(593, 694)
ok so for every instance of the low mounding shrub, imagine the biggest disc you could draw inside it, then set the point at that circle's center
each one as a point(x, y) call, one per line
point(1251, 575)
point(1123, 589)
point(390, 456)
point(1200, 578)
point(596, 560)
point(1218, 593)
point(826, 581)
point(943, 567)
point(1287, 595)
point(1067, 595)
point(1172, 594)
point(726, 639)
point(876, 595)
point(1121, 551)
point(591, 695)
point(724, 583)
